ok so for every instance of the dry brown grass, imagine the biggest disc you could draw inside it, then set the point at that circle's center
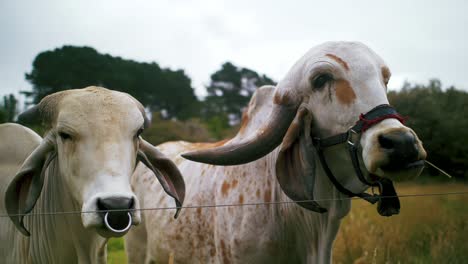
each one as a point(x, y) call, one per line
point(427, 230)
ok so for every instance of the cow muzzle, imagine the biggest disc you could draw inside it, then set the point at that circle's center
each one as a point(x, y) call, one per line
point(111, 215)
point(395, 153)
point(386, 144)
point(117, 217)
point(401, 150)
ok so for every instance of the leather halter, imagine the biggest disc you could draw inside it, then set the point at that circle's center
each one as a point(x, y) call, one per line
point(351, 139)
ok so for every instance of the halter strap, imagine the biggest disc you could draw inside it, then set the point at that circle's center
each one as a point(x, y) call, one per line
point(366, 121)
point(351, 138)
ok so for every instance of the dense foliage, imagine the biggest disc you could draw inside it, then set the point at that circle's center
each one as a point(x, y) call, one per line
point(438, 117)
point(8, 108)
point(72, 67)
point(162, 130)
point(229, 92)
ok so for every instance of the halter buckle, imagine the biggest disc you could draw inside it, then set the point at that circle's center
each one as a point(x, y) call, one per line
point(352, 137)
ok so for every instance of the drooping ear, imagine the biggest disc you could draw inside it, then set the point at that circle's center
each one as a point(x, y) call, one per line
point(295, 165)
point(165, 171)
point(24, 190)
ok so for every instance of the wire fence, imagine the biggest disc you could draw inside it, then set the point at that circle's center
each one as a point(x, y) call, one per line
point(232, 205)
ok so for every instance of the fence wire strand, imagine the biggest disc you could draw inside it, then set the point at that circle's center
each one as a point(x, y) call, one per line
point(230, 205)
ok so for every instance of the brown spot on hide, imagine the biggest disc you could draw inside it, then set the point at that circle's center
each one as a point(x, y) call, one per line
point(225, 188)
point(339, 60)
point(386, 74)
point(234, 183)
point(284, 99)
point(198, 211)
point(258, 193)
point(178, 237)
point(224, 253)
point(241, 199)
point(344, 92)
point(213, 251)
point(201, 238)
point(267, 196)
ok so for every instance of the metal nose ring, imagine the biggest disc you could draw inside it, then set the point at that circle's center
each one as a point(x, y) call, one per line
point(106, 222)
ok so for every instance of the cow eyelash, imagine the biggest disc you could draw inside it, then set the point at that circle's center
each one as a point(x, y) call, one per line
point(321, 79)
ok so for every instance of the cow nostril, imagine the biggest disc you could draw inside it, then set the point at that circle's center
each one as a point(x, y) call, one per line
point(115, 203)
point(386, 142)
point(116, 215)
point(400, 148)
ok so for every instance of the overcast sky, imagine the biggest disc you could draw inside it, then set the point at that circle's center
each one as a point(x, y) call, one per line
point(418, 39)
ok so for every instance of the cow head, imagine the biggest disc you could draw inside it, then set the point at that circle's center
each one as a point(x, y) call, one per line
point(94, 140)
point(324, 94)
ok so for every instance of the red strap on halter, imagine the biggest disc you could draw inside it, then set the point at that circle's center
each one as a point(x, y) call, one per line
point(368, 123)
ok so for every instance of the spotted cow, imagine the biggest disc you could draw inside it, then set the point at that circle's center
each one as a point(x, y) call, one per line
point(274, 159)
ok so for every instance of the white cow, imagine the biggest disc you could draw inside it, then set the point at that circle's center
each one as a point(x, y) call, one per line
point(83, 164)
point(296, 144)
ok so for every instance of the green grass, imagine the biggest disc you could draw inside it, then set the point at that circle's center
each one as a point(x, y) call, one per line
point(116, 252)
point(427, 230)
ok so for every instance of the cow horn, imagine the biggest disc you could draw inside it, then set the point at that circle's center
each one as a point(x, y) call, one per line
point(255, 146)
point(45, 112)
point(30, 116)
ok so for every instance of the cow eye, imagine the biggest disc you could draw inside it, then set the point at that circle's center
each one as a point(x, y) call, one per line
point(64, 136)
point(322, 79)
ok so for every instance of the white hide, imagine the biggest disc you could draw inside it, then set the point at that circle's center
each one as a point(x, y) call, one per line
point(96, 162)
point(54, 239)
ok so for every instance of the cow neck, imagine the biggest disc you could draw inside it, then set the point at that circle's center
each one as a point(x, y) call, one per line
point(62, 231)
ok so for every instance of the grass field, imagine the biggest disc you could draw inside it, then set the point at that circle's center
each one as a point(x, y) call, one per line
point(427, 230)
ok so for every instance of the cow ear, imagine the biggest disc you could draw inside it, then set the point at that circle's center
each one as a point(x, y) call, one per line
point(24, 190)
point(165, 171)
point(295, 165)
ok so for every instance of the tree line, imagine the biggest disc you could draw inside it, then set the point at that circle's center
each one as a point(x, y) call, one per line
point(438, 117)
point(159, 89)
point(436, 114)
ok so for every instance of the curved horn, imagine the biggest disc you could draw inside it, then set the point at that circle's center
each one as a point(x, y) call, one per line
point(257, 145)
point(44, 112)
point(30, 116)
